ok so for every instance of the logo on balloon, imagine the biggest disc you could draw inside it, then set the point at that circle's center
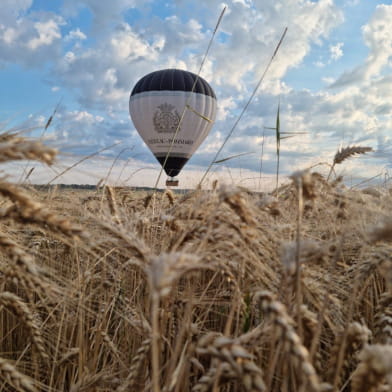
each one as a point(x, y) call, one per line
point(166, 119)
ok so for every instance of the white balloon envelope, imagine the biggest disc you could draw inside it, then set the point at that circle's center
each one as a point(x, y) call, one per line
point(173, 111)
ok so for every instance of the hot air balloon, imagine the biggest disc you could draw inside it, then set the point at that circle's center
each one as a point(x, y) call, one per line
point(173, 111)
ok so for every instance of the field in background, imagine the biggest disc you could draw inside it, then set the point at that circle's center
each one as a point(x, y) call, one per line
point(212, 290)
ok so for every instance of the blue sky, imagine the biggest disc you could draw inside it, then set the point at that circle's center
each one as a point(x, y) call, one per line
point(332, 77)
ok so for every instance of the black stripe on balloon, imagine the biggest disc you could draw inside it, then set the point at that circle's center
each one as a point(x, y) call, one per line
point(173, 165)
point(166, 79)
point(173, 80)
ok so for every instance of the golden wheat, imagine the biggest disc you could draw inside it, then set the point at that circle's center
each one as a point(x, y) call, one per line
point(210, 290)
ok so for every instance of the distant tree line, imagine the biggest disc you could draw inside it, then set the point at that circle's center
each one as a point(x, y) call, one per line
point(44, 187)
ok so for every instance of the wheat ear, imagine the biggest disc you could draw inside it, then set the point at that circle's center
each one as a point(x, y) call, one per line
point(347, 152)
point(374, 370)
point(358, 336)
point(13, 377)
point(136, 364)
point(24, 149)
point(11, 137)
point(283, 321)
point(21, 258)
point(22, 267)
point(238, 362)
point(21, 310)
point(170, 196)
point(27, 210)
point(112, 203)
point(383, 319)
point(206, 381)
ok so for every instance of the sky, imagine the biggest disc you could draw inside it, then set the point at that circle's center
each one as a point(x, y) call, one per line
point(332, 77)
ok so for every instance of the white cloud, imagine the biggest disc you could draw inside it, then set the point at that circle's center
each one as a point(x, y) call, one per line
point(225, 106)
point(69, 57)
point(254, 33)
point(126, 45)
point(102, 75)
point(336, 51)
point(377, 35)
point(245, 3)
point(29, 39)
point(47, 31)
point(75, 35)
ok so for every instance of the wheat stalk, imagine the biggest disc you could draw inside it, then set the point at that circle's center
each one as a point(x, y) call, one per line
point(163, 271)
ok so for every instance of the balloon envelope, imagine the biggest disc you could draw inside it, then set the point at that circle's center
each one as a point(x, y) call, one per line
point(173, 110)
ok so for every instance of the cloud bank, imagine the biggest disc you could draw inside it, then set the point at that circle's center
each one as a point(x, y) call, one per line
point(96, 60)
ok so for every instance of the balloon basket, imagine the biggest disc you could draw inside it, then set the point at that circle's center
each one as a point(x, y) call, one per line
point(171, 181)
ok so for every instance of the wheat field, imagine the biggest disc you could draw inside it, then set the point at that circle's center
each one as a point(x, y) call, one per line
point(213, 290)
